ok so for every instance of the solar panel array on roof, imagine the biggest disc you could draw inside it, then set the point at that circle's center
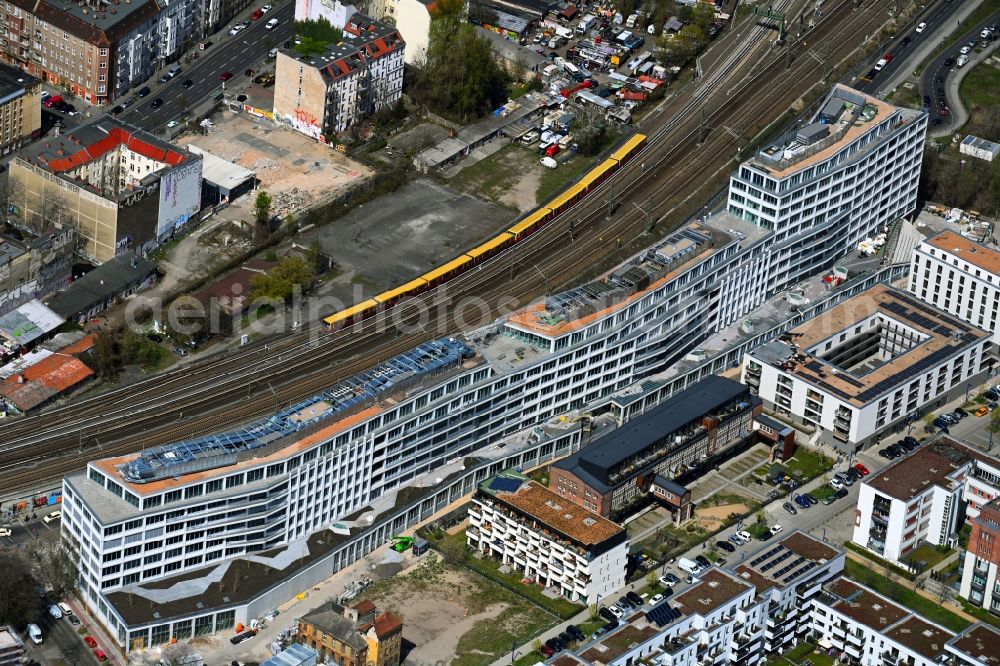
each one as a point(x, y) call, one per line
point(662, 614)
point(769, 554)
point(776, 561)
point(798, 572)
point(504, 484)
point(220, 449)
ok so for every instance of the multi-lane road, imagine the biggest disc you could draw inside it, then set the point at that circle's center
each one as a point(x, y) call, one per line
point(228, 53)
point(934, 80)
point(936, 16)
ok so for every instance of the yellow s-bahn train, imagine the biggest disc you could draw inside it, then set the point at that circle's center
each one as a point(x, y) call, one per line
point(522, 229)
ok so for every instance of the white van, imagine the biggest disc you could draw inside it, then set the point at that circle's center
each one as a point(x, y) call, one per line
point(174, 71)
point(689, 566)
point(35, 634)
point(571, 69)
point(529, 138)
point(272, 24)
point(962, 60)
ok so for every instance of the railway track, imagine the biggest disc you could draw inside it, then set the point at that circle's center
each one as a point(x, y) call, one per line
point(231, 389)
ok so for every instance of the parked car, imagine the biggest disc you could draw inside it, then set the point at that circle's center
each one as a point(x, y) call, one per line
point(726, 546)
point(861, 469)
point(787, 506)
point(606, 613)
point(55, 515)
point(566, 639)
point(841, 493)
point(265, 9)
point(236, 29)
point(256, 14)
point(992, 394)
point(634, 599)
point(811, 498)
point(836, 484)
point(99, 655)
point(575, 632)
point(775, 528)
point(965, 50)
point(618, 612)
point(225, 76)
point(912, 440)
point(745, 536)
point(74, 620)
point(669, 580)
point(548, 651)
point(55, 612)
point(802, 501)
point(703, 561)
point(960, 413)
point(246, 635)
point(655, 599)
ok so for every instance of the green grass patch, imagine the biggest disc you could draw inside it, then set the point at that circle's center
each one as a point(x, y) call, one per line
point(929, 554)
point(555, 180)
point(490, 639)
point(850, 545)
point(905, 597)
point(494, 175)
point(807, 464)
point(758, 529)
point(980, 613)
point(803, 652)
point(981, 89)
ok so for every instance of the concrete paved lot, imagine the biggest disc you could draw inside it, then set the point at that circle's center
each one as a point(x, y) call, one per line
point(394, 239)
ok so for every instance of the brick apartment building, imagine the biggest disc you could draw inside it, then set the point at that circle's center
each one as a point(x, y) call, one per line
point(980, 579)
point(96, 49)
point(353, 636)
point(692, 428)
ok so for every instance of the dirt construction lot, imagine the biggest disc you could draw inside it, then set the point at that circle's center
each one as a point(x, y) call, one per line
point(453, 616)
point(296, 170)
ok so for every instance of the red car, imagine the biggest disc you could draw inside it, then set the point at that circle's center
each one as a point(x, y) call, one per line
point(256, 14)
point(226, 76)
point(89, 640)
point(943, 111)
point(51, 101)
point(862, 469)
point(99, 655)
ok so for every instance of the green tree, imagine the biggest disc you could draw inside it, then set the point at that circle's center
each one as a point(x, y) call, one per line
point(279, 284)
point(460, 75)
point(262, 207)
point(18, 598)
point(317, 258)
point(995, 420)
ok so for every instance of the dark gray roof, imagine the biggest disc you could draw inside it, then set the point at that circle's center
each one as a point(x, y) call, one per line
point(106, 26)
point(13, 81)
point(593, 462)
point(329, 618)
point(774, 424)
point(108, 279)
point(671, 486)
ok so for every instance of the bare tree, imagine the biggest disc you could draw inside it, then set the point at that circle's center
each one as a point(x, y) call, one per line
point(945, 594)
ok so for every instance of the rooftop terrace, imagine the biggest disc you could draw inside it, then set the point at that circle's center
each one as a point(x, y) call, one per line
point(943, 337)
point(845, 115)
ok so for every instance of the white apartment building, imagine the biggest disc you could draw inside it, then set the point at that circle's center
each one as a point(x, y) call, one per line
point(863, 627)
point(729, 617)
point(872, 361)
point(976, 646)
point(925, 496)
point(558, 544)
point(960, 277)
point(848, 172)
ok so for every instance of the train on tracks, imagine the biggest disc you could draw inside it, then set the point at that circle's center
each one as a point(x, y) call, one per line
point(521, 230)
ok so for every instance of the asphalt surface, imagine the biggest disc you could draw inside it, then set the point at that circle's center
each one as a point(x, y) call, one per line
point(936, 16)
point(233, 54)
point(936, 75)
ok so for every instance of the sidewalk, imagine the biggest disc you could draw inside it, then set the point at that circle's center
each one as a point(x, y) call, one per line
point(97, 630)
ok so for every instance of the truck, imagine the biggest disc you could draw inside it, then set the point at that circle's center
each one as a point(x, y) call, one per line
point(585, 24)
point(564, 32)
point(631, 20)
point(571, 69)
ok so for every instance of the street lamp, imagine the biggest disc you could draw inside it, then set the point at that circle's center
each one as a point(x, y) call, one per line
point(513, 654)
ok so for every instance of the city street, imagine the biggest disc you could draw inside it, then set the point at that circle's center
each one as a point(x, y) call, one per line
point(234, 54)
point(937, 17)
